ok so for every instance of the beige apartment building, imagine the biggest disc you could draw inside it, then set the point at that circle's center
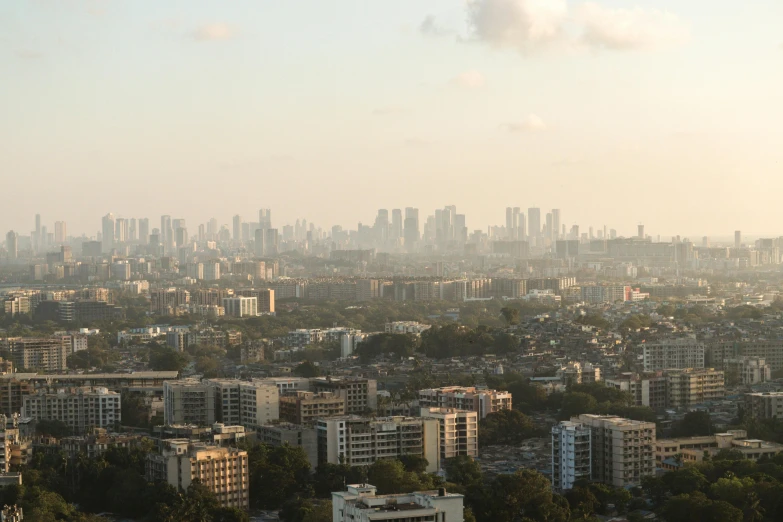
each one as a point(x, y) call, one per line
point(670, 454)
point(361, 441)
point(304, 407)
point(458, 431)
point(673, 353)
point(622, 449)
point(46, 354)
point(245, 403)
point(189, 401)
point(80, 408)
point(481, 401)
point(224, 471)
point(691, 386)
point(647, 389)
point(360, 395)
point(747, 370)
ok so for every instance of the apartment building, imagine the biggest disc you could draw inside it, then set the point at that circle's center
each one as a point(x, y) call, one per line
point(771, 350)
point(747, 370)
point(245, 403)
point(81, 409)
point(305, 407)
point(648, 389)
point(293, 435)
point(361, 504)
point(571, 454)
point(265, 298)
point(224, 471)
point(458, 431)
point(360, 441)
point(671, 454)
point(622, 449)
point(675, 353)
point(579, 373)
point(288, 384)
point(240, 306)
point(189, 401)
point(764, 405)
point(46, 354)
point(360, 395)
point(692, 386)
point(481, 401)
point(12, 393)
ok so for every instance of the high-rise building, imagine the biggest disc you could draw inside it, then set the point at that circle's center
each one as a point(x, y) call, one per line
point(265, 218)
point(258, 245)
point(411, 228)
point(458, 431)
point(510, 224)
point(556, 224)
point(107, 230)
point(549, 227)
point(396, 225)
point(271, 242)
point(764, 405)
point(471, 399)
point(132, 230)
point(360, 395)
point(165, 229)
point(188, 401)
point(240, 306)
point(571, 454)
point(12, 244)
point(534, 222)
point(81, 409)
point(676, 353)
point(44, 354)
point(121, 230)
point(623, 450)
point(640, 233)
point(144, 231)
point(60, 232)
point(689, 387)
point(237, 236)
point(737, 239)
point(747, 370)
point(647, 389)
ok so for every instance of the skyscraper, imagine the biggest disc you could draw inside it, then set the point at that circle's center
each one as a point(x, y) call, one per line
point(548, 226)
point(59, 232)
point(237, 236)
point(271, 242)
point(534, 222)
point(121, 230)
point(519, 227)
point(144, 231)
point(259, 242)
point(510, 224)
point(737, 239)
point(12, 244)
point(396, 226)
point(382, 225)
point(411, 228)
point(132, 235)
point(37, 240)
point(265, 218)
point(166, 234)
point(556, 224)
point(107, 232)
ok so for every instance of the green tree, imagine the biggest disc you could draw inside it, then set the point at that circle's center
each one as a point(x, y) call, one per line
point(307, 369)
point(505, 427)
point(694, 424)
point(166, 359)
point(462, 470)
point(576, 404)
point(510, 315)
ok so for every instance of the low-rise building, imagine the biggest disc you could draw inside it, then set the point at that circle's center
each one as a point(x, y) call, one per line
point(224, 471)
point(671, 454)
point(360, 503)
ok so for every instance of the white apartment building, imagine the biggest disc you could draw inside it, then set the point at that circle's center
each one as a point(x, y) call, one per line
point(764, 405)
point(747, 370)
point(571, 454)
point(646, 389)
point(361, 441)
point(188, 401)
point(406, 327)
point(481, 401)
point(224, 471)
point(80, 408)
point(458, 431)
point(360, 503)
point(676, 353)
point(623, 450)
point(240, 306)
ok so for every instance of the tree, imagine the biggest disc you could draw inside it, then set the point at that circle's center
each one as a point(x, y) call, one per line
point(53, 428)
point(525, 495)
point(207, 366)
point(277, 474)
point(414, 463)
point(510, 315)
point(462, 470)
point(165, 359)
point(576, 404)
point(505, 427)
point(686, 508)
point(694, 424)
point(307, 369)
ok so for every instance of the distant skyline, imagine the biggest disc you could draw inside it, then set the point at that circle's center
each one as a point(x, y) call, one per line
point(616, 111)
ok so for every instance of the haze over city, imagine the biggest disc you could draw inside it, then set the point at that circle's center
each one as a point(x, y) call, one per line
point(620, 112)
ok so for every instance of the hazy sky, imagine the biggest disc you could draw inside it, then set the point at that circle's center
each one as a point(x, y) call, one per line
point(617, 111)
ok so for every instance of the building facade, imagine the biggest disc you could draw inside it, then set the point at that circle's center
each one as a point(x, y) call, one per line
point(305, 407)
point(692, 386)
point(676, 353)
point(483, 402)
point(458, 431)
point(571, 454)
point(361, 504)
point(80, 408)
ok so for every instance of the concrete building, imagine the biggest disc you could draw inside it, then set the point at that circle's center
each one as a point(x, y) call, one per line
point(42, 354)
point(189, 401)
point(764, 405)
point(771, 350)
point(294, 435)
point(240, 306)
point(245, 403)
point(81, 409)
point(361, 441)
point(747, 370)
point(622, 449)
point(571, 454)
point(671, 454)
point(305, 407)
point(677, 353)
point(288, 384)
point(360, 395)
point(483, 402)
point(647, 389)
point(458, 431)
point(224, 471)
point(692, 386)
point(360, 503)
point(579, 373)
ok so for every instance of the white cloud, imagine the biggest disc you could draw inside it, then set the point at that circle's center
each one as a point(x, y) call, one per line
point(532, 25)
point(522, 24)
point(469, 80)
point(626, 29)
point(214, 32)
point(531, 123)
point(430, 27)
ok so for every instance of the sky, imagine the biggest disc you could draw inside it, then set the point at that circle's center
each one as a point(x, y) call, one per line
point(618, 112)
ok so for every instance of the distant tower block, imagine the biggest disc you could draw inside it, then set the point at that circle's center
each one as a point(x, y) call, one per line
point(641, 231)
point(737, 239)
